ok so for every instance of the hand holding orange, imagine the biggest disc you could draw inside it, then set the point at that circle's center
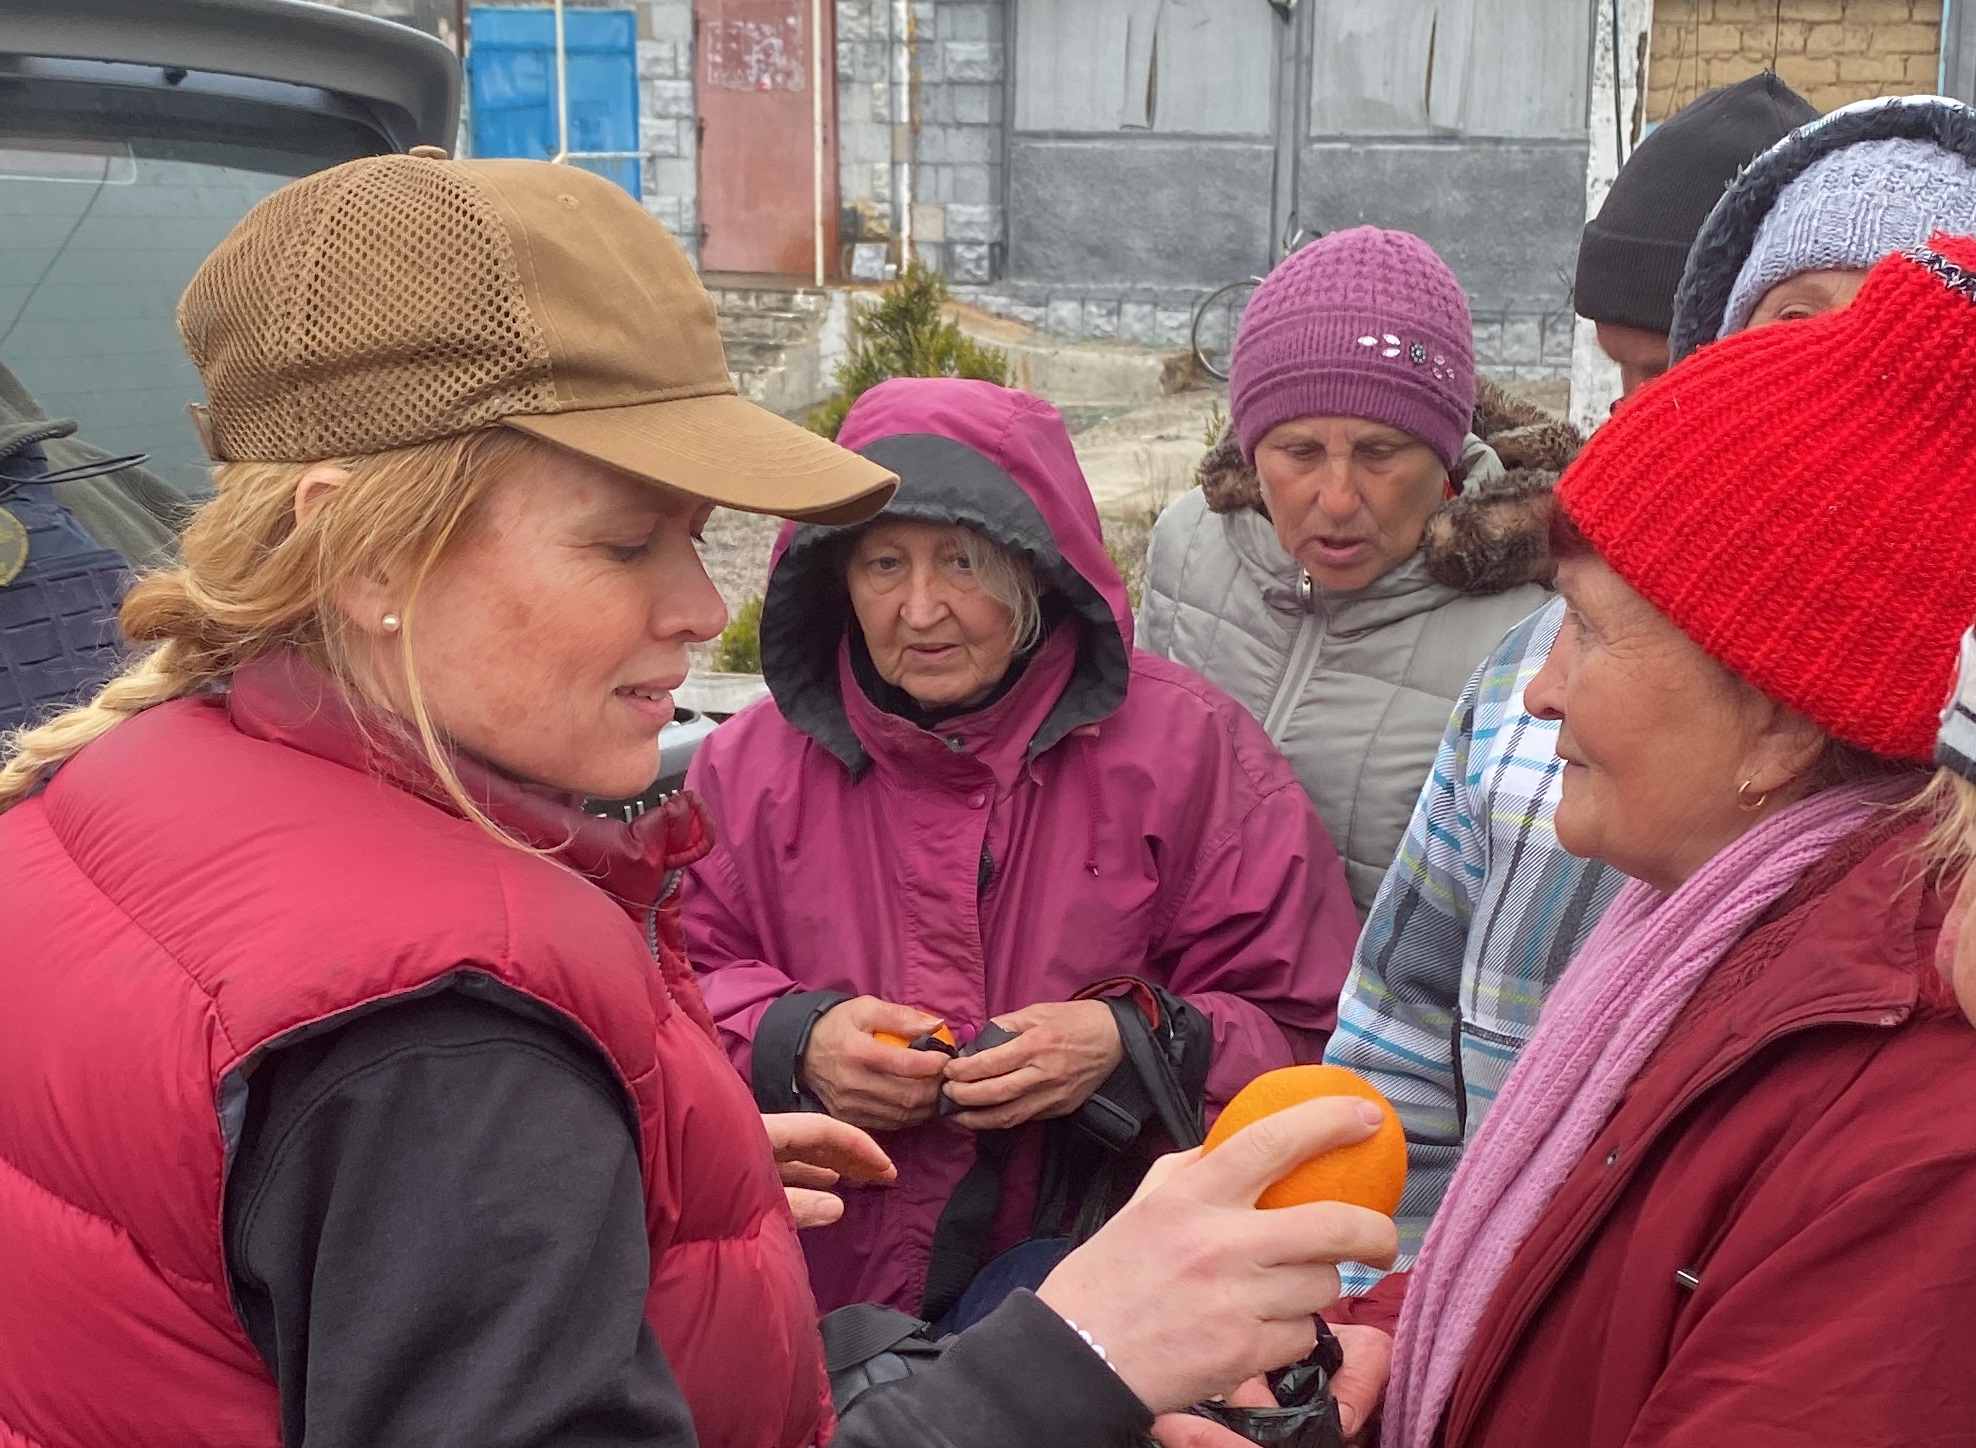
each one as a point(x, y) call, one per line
point(892, 1038)
point(1372, 1173)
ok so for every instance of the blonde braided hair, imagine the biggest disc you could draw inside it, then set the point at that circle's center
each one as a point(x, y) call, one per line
point(256, 580)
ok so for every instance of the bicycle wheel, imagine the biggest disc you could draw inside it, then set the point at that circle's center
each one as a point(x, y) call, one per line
point(1215, 321)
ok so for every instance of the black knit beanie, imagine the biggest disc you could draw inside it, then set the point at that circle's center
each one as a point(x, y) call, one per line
point(1632, 252)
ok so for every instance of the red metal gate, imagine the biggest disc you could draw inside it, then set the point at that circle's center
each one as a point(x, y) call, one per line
point(757, 85)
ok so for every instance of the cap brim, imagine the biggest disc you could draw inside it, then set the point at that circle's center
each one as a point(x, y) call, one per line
point(726, 450)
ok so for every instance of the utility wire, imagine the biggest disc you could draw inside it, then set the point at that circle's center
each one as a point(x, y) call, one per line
point(35, 290)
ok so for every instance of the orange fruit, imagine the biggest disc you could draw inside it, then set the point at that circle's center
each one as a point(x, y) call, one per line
point(891, 1038)
point(1372, 1173)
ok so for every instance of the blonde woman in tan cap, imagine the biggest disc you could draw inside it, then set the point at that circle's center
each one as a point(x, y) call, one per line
point(354, 1088)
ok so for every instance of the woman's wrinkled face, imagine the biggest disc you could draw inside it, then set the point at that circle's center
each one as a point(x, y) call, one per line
point(1808, 294)
point(1656, 737)
point(1350, 498)
point(931, 629)
point(549, 640)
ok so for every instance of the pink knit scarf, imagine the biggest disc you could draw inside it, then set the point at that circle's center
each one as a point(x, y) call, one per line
point(1609, 1011)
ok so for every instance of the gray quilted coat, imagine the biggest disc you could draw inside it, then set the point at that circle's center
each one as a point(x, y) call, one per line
point(1355, 688)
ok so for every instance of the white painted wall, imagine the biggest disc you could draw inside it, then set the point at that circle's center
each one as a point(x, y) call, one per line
point(1614, 126)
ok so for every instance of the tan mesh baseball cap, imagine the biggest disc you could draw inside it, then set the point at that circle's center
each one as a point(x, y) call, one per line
point(400, 299)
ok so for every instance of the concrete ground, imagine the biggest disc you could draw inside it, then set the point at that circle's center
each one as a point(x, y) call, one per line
point(1144, 457)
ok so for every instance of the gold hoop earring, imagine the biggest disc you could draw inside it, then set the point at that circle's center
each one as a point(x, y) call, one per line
point(390, 622)
point(1743, 800)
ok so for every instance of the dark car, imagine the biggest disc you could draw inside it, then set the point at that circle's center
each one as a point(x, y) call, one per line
point(133, 135)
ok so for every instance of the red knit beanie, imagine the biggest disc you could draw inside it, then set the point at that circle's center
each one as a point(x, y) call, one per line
point(1800, 500)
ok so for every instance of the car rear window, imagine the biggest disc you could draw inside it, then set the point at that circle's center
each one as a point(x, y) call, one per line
point(102, 234)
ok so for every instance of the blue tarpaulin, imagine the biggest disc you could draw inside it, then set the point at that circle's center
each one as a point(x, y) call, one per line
point(511, 72)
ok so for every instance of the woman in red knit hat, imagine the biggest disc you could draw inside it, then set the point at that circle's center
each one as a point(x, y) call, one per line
point(1708, 1206)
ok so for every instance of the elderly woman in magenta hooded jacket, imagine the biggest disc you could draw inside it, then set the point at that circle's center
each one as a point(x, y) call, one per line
point(998, 811)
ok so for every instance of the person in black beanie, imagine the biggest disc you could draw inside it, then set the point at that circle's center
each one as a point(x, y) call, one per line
point(1632, 253)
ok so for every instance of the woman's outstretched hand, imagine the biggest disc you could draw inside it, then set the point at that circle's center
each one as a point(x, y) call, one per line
point(1191, 1290)
point(814, 1153)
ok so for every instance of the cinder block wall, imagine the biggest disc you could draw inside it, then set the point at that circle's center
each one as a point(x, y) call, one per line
point(864, 119)
point(1832, 52)
point(960, 147)
point(953, 128)
point(668, 125)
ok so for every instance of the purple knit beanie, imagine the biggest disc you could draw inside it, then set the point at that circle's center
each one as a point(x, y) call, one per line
point(1360, 323)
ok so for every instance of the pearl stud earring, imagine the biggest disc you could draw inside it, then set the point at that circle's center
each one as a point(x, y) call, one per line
point(391, 623)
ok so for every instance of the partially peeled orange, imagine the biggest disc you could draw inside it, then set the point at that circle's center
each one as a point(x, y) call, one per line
point(893, 1038)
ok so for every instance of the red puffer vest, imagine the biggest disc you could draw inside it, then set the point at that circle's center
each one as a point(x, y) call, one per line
point(218, 874)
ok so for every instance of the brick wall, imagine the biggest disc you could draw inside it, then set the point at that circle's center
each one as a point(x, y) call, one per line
point(1831, 51)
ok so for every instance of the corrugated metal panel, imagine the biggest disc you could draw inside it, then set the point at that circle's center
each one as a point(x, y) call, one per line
point(1511, 68)
point(511, 71)
point(1185, 67)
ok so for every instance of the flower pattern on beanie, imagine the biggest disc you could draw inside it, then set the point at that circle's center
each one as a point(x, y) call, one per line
point(1362, 323)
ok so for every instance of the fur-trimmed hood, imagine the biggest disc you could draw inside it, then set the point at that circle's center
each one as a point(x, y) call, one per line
point(1723, 245)
point(1489, 538)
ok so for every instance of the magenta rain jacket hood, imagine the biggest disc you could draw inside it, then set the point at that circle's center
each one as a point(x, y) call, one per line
point(1110, 814)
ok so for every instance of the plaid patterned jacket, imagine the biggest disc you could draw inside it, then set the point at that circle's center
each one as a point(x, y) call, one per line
point(1475, 921)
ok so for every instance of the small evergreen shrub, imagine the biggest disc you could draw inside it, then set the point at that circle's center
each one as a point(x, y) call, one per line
point(738, 650)
point(905, 335)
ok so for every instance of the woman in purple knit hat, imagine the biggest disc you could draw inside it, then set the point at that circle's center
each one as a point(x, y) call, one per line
point(1303, 575)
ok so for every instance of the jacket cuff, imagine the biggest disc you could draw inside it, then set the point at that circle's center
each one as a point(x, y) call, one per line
point(1023, 1368)
point(781, 1036)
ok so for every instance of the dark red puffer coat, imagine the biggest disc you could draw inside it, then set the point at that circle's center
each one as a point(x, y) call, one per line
point(1772, 1243)
point(221, 873)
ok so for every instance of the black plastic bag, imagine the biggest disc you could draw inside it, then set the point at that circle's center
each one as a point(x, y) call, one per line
point(1306, 1415)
